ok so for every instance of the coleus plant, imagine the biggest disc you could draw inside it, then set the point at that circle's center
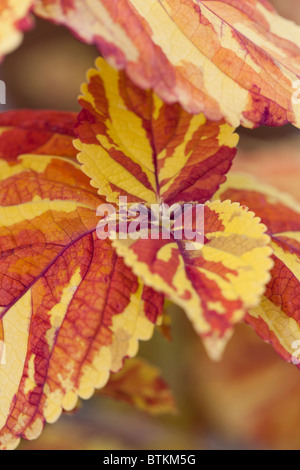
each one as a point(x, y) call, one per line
point(158, 120)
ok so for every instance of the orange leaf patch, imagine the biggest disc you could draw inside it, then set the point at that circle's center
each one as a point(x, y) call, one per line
point(140, 384)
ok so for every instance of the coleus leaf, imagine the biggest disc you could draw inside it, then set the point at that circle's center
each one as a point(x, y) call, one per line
point(140, 384)
point(214, 284)
point(228, 58)
point(132, 144)
point(13, 20)
point(276, 319)
point(135, 145)
point(70, 310)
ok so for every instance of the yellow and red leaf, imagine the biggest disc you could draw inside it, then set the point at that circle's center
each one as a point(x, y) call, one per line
point(214, 284)
point(70, 310)
point(277, 318)
point(133, 144)
point(228, 58)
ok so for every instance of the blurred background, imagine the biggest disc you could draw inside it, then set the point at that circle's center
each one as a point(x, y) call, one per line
point(248, 401)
